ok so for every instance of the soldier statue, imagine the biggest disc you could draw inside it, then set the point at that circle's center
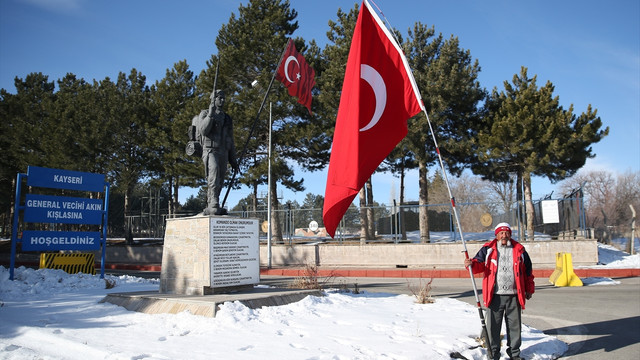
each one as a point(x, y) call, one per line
point(212, 133)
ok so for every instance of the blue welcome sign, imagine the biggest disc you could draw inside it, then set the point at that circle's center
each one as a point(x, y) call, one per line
point(64, 179)
point(51, 209)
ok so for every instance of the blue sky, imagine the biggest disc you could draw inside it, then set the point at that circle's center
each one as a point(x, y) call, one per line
point(590, 51)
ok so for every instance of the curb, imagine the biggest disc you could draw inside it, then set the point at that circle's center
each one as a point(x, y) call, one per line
point(383, 273)
point(443, 273)
point(153, 267)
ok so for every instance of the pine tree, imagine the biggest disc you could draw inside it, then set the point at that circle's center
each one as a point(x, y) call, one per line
point(526, 132)
point(79, 135)
point(130, 120)
point(30, 115)
point(27, 119)
point(334, 60)
point(171, 97)
point(447, 78)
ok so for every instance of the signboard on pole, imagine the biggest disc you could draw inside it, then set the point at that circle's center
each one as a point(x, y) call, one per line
point(550, 213)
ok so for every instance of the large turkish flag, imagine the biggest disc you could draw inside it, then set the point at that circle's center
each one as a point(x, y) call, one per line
point(379, 95)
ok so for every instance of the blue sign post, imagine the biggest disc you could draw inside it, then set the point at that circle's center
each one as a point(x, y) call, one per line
point(50, 209)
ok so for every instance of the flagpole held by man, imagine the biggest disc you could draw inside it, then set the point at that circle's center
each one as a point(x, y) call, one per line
point(379, 95)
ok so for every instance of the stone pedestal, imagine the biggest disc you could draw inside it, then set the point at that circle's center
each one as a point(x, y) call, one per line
point(209, 254)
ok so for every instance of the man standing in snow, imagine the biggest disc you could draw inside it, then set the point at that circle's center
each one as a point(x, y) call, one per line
point(215, 130)
point(507, 284)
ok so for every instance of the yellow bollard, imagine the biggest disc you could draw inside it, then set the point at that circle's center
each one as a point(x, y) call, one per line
point(558, 271)
point(563, 275)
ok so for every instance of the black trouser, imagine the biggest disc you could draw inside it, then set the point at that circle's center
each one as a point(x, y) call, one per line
point(507, 307)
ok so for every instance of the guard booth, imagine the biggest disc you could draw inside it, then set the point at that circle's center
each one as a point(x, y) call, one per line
point(75, 221)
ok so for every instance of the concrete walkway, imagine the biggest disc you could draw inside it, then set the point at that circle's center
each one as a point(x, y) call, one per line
point(152, 302)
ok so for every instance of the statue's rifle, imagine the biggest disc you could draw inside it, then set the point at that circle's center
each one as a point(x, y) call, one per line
point(215, 81)
point(194, 146)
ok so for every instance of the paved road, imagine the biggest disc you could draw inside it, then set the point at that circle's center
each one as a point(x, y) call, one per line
point(597, 321)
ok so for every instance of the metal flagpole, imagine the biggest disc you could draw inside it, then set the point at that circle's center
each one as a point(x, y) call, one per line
point(269, 196)
point(253, 128)
point(484, 334)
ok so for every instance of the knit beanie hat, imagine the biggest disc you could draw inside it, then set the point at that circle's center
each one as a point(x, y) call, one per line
point(503, 227)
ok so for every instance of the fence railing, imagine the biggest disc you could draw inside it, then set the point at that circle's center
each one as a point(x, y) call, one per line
point(393, 224)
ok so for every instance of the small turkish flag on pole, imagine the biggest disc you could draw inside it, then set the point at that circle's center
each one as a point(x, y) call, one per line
point(296, 75)
point(379, 95)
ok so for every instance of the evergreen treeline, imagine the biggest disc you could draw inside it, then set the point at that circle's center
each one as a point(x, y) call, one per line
point(135, 132)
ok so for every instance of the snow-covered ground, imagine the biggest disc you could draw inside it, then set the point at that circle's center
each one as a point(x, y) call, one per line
point(610, 256)
point(48, 314)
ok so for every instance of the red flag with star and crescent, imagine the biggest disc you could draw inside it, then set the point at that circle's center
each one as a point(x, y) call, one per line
point(379, 95)
point(296, 75)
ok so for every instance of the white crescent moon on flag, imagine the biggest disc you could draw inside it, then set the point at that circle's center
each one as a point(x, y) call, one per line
point(371, 76)
point(286, 66)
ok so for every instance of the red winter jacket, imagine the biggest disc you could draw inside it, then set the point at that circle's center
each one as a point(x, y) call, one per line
point(486, 261)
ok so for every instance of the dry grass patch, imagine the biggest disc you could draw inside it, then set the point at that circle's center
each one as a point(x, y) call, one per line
point(422, 292)
point(311, 279)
